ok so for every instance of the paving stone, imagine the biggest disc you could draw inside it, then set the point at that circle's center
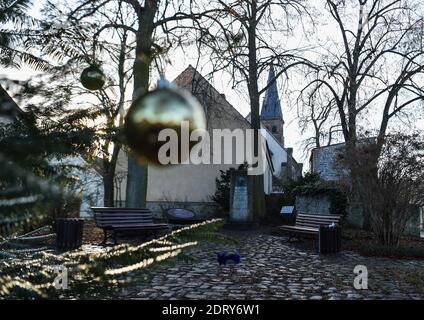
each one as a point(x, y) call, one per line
point(270, 269)
point(195, 296)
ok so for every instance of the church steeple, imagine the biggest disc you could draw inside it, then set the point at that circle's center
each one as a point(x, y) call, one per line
point(271, 107)
point(271, 115)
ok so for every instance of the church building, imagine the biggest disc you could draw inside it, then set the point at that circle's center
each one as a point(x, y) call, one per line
point(285, 165)
point(191, 186)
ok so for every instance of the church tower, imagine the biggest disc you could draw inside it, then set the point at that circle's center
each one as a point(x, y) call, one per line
point(271, 115)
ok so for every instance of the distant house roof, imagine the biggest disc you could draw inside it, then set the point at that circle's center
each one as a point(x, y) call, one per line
point(191, 78)
point(271, 107)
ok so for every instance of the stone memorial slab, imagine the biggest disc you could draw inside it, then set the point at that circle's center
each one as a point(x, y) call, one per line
point(240, 203)
point(241, 214)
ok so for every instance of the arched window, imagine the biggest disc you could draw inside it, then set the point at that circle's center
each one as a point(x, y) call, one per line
point(274, 129)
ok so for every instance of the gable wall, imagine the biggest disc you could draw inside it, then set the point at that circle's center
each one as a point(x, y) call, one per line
point(188, 182)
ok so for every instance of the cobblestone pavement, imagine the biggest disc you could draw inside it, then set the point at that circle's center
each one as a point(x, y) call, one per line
point(272, 269)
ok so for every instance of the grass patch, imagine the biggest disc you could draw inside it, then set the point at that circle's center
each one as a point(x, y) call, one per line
point(410, 278)
point(365, 244)
point(400, 252)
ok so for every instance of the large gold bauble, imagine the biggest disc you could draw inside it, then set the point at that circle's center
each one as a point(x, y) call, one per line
point(160, 109)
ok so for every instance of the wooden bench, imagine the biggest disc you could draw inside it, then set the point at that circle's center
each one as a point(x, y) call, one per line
point(125, 219)
point(308, 224)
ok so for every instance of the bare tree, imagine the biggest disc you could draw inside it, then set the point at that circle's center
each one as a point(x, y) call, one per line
point(102, 111)
point(318, 110)
point(376, 67)
point(398, 186)
point(155, 28)
point(239, 42)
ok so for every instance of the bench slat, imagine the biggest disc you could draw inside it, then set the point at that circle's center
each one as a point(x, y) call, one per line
point(119, 208)
point(112, 216)
point(124, 222)
point(315, 222)
point(143, 225)
point(299, 228)
point(123, 212)
point(117, 214)
point(328, 216)
point(316, 219)
point(309, 223)
point(319, 216)
point(123, 218)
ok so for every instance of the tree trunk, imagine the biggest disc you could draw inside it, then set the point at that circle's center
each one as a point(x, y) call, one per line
point(363, 160)
point(366, 219)
point(258, 180)
point(108, 185)
point(109, 169)
point(136, 192)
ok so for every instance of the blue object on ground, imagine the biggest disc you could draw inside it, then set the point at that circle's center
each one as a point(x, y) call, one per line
point(228, 258)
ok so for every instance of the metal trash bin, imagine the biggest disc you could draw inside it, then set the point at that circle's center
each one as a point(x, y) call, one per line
point(69, 233)
point(329, 239)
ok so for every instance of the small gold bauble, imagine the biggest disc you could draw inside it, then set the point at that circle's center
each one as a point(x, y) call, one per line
point(93, 78)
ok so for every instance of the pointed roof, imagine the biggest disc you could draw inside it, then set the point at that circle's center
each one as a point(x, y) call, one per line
point(271, 107)
point(202, 89)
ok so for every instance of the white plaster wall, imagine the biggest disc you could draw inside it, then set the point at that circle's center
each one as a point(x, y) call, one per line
point(188, 182)
point(279, 154)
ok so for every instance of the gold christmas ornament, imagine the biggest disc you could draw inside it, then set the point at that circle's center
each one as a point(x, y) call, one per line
point(93, 78)
point(162, 108)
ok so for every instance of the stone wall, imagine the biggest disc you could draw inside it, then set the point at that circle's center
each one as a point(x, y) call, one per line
point(313, 205)
point(202, 209)
point(324, 161)
point(354, 218)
